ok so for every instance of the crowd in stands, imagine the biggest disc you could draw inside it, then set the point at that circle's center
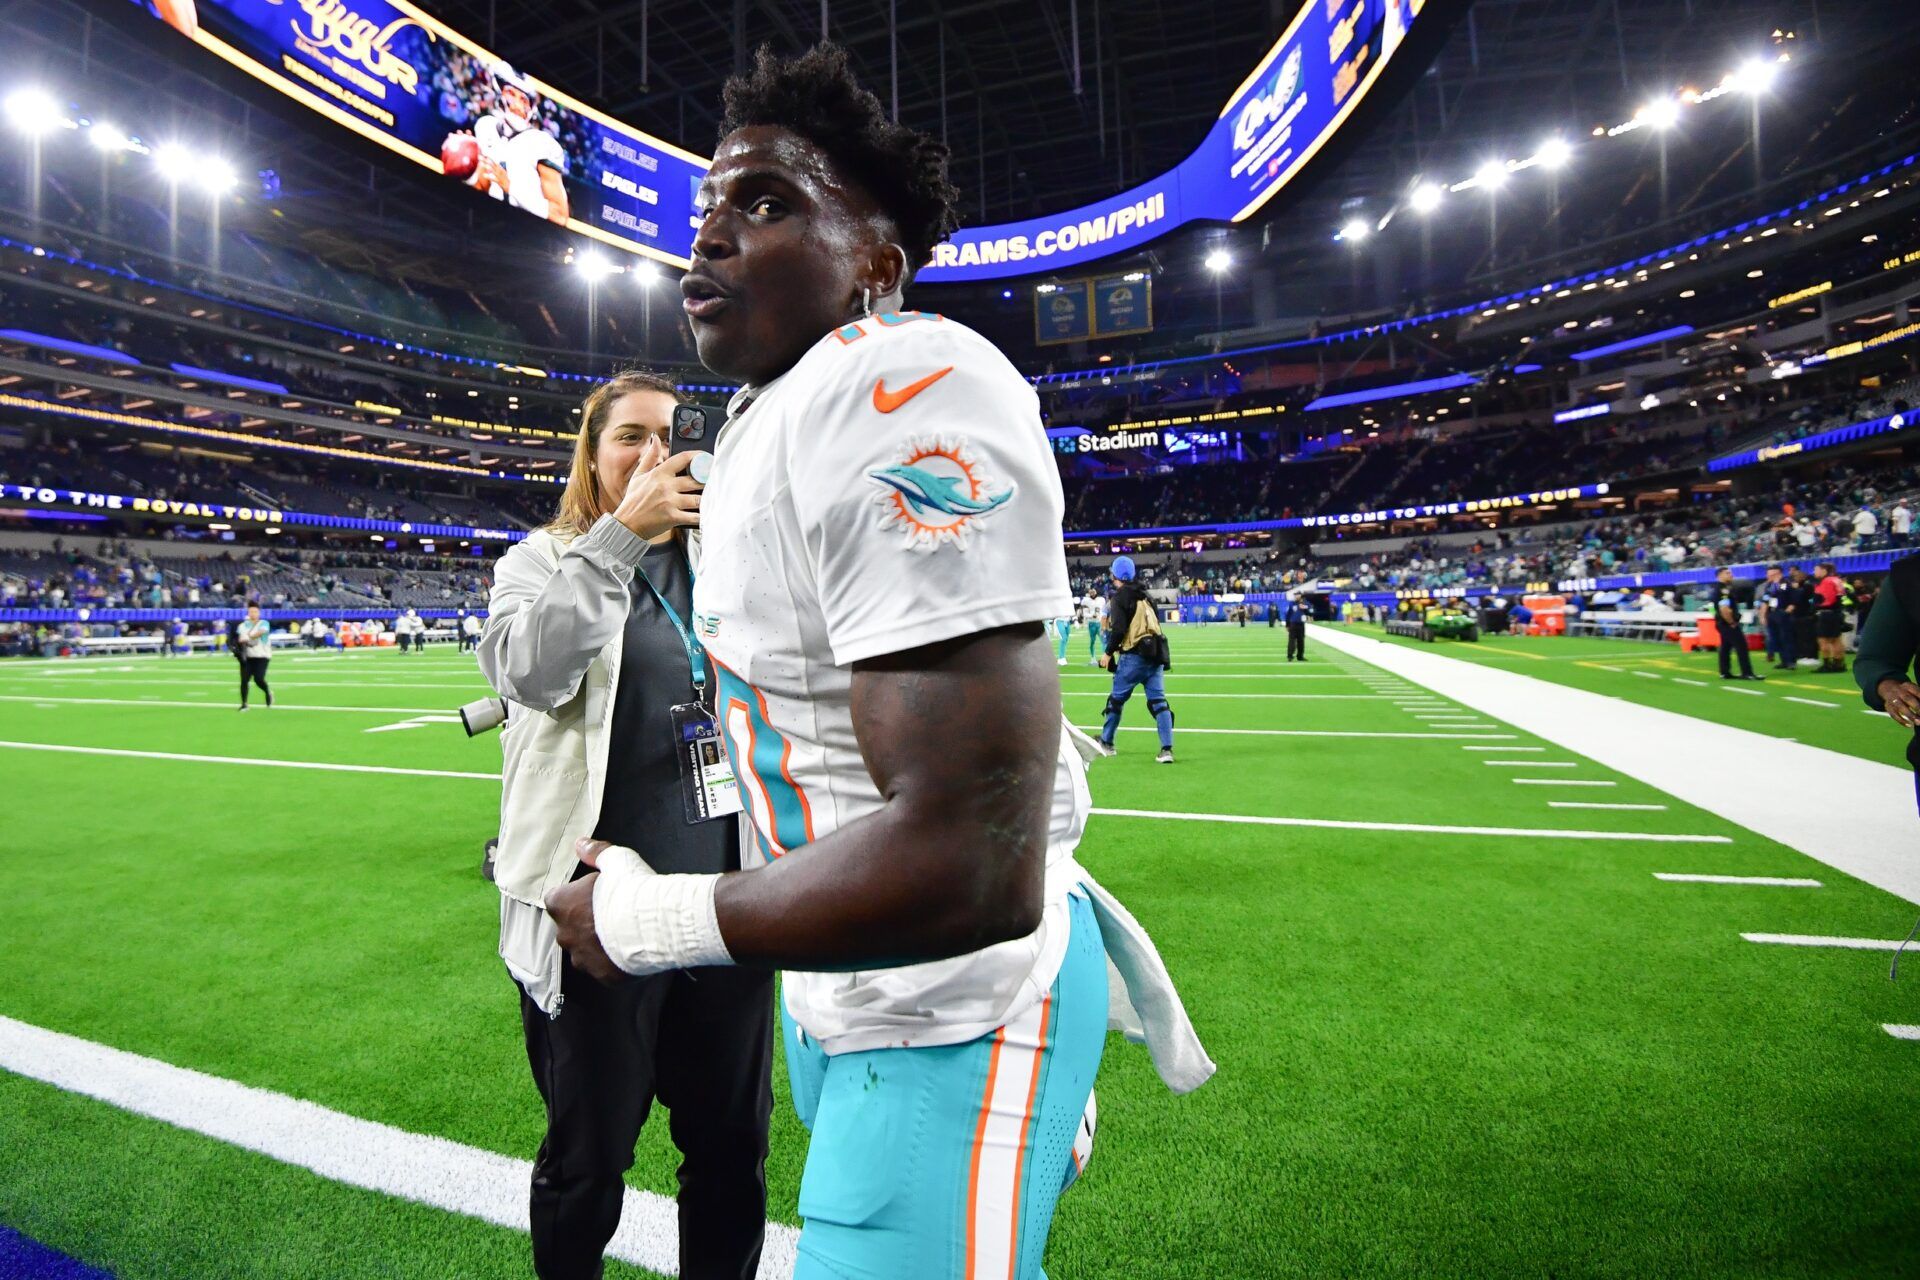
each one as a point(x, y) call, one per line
point(115, 575)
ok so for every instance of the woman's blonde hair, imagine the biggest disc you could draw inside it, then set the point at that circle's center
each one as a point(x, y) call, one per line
point(580, 503)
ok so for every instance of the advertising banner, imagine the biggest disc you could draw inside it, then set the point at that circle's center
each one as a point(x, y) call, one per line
point(1063, 313)
point(401, 79)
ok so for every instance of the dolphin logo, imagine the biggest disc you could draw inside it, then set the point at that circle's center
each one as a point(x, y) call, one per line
point(924, 491)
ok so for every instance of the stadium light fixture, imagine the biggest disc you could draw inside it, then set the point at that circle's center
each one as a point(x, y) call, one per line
point(1355, 231)
point(644, 274)
point(594, 267)
point(108, 137)
point(1218, 261)
point(1426, 198)
point(1755, 76)
point(1490, 176)
point(1662, 114)
point(215, 176)
point(1553, 153)
point(33, 112)
point(175, 162)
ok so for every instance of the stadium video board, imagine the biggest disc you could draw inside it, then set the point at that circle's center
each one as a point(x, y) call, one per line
point(1293, 103)
point(407, 82)
point(398, 77)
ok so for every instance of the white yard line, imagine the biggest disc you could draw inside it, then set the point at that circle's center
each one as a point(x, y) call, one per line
point(1751, 693)
point(1815, 940)
point(1425, 828)
point(1532, 764)
point(1602, 804)
point(1700, 684)
point(1503, 748)
point(277, 682)
point(268, 764)
point(1561, 782)
point(211, 706)
point(1324, 733)
point(1179, 693)
point(1809, 702)
point(346, 1149)
point(1710, 766)
point(1783, 882)
point(1901, 1030)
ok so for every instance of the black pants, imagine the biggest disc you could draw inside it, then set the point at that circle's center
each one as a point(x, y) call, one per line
point(700, 1041)
point(1296, 643)
point(254, 669)
point(1733, 640)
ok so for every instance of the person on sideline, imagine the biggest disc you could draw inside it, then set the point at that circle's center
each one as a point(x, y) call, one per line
point(1136, 654)
point(1830, 616)
point(254, 641)
point(876, 624)
point(591, 639)
point(1776, 616)
point(469, 630)
point(1296, 629)
point(1725, 603)
point(1096, 609)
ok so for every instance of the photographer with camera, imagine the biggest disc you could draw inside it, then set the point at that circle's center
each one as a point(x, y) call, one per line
point(1138, 657)
point(591, 637)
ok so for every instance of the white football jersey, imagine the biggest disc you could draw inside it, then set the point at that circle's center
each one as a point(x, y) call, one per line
point(893, 489)
point(521, 154)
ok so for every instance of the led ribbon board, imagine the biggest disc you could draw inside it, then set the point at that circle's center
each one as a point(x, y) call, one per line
point(403, 80)
point(1297, 98)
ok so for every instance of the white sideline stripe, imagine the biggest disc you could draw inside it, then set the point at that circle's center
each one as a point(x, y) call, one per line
point(1902, 1030)
point(270, 764)
point(1718, 762)
point(1815, 940)
point(342, 1148)
point(1809, 702)
point(1615, 670)
point(1183, 695)
point(1751, 693)
point(1341, 824)
point(1684, 680)
point(1602, 804)
point(1784, 882)
point(1503, 748)
point(1532, 764)
point(1648, 675)
point(475, 683)
point(212, 706)
point(1561, 782)
point(1325, 733)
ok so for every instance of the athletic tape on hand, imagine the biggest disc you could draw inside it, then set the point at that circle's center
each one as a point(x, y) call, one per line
point(650, 923)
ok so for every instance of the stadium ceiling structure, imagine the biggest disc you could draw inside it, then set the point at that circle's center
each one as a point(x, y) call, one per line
point(1048, 104)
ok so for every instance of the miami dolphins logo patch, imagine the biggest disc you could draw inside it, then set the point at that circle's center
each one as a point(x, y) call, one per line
point(937, 493)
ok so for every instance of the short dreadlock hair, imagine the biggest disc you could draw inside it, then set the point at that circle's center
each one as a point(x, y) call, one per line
point(816, 96)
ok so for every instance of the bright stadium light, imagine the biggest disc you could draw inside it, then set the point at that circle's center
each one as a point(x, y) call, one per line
point(1355, 231)
point(175, 163)
point(644, 274)
point(1554, 153)
point(1664, 113)
point(1218, 261)
point(215, 176)
point(1491, 176)
point(33, 111)
point(1755, 76)
point(108, 137)
point(1426, 198)
point(594, 267)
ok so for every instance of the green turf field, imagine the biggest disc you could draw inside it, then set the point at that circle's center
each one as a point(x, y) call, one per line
point(1442, 1053)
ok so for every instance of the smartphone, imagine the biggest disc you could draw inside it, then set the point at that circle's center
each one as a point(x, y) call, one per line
point(693, 430)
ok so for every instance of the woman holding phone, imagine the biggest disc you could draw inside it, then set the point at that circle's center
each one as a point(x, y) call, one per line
point(590, 636)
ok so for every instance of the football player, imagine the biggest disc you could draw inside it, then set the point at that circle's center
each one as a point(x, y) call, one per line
point(520, 162)
point(880, 558)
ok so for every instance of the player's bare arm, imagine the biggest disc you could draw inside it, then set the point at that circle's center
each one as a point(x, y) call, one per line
point(960, 738)
point(554, 187)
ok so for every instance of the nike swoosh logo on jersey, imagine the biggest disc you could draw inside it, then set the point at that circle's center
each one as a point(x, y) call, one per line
point(887, 401)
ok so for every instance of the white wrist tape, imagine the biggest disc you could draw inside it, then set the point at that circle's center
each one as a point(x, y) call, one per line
point(650, 923)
